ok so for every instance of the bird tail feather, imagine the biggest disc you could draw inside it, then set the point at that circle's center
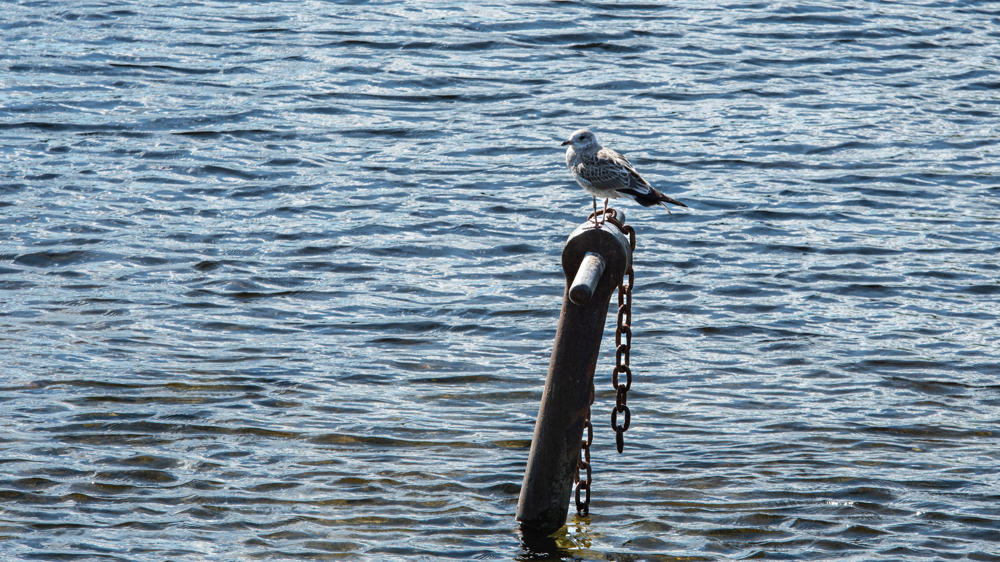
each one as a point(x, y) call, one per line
point(664, 199)
point(669, 199)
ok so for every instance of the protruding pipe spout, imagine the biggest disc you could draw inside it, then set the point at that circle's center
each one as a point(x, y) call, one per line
point(586, 279)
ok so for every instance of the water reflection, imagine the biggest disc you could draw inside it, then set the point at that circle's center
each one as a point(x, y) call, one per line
point(570, 542)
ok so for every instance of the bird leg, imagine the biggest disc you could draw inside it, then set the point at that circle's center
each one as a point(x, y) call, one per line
point(596, 224)
point(604, 217)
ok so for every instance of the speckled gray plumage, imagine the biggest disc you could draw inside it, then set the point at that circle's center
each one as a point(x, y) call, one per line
point(604, 173)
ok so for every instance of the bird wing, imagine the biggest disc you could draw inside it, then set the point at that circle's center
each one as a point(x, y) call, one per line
point(608, 170)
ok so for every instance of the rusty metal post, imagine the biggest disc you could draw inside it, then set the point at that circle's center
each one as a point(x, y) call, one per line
point(594, 262)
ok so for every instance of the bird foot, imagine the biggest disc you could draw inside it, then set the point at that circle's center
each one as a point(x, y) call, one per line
point(601, 217)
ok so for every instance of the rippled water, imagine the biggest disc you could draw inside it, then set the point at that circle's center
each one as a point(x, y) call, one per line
point(280, 280)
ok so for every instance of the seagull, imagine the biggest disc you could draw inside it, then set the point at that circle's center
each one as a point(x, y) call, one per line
point(602, 172)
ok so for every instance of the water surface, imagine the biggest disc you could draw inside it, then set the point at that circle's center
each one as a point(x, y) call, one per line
point(280, 280)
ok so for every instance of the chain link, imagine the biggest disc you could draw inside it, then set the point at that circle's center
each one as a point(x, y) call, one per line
point(583, 505)
point(623, 350)
point(622, 356)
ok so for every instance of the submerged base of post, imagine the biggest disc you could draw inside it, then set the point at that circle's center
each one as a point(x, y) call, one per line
point(569, 386)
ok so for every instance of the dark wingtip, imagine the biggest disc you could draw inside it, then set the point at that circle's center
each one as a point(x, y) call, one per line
point(671, 200)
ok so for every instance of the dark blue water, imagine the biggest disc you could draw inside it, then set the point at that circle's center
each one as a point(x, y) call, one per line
point(280, 280)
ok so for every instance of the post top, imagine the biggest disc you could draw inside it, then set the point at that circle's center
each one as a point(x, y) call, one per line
point(608, 242)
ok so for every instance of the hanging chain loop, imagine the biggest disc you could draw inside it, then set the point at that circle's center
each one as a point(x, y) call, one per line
point(623, 349)
point(583, 486)
point(622, 356)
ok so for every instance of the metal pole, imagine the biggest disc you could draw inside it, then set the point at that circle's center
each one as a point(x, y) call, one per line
point(569, 386)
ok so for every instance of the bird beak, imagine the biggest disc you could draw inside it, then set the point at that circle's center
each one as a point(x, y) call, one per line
point(567, 142)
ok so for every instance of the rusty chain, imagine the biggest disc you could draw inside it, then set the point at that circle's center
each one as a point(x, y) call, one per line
point(583, 506)
point(622, 356)
point(622, 353)
point(623, 350)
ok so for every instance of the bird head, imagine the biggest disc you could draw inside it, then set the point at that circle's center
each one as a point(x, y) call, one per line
point(582, 140)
